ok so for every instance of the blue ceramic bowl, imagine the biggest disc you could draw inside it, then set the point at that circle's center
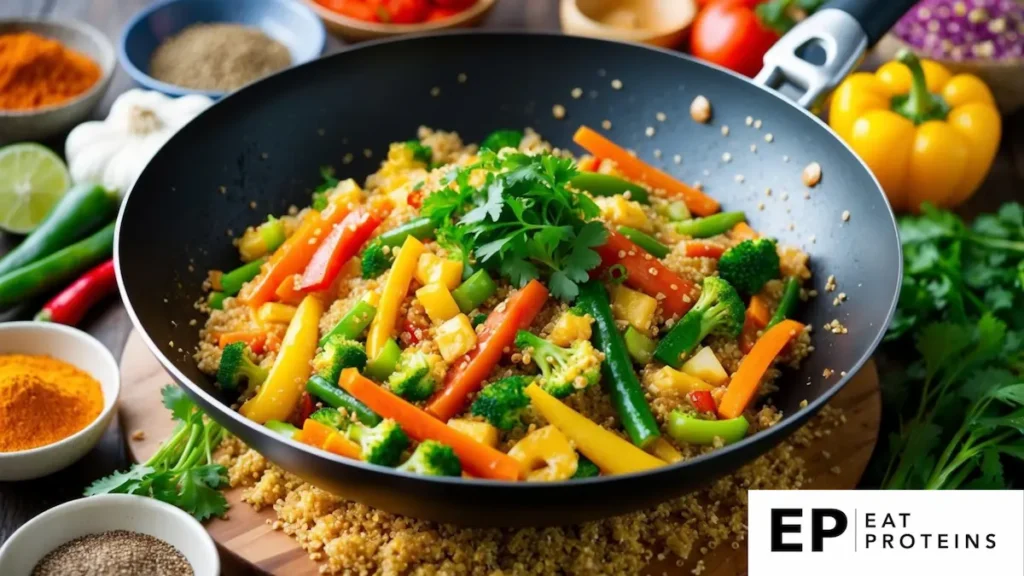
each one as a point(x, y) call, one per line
point(287, 21)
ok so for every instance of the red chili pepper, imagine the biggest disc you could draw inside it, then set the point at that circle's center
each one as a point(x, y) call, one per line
point(73, 302)
point(344, 241)
point(704, 250)
point(648, 275)
point(702, 401)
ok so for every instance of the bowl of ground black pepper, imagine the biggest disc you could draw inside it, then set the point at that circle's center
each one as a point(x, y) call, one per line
point(208, 47)
point(58, 392)
point(108, 535)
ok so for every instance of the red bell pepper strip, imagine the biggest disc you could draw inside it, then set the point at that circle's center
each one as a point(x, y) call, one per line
point(73, 302)
point(704, 250)
point(702, 401)
point(648, 275)
point(498, 335)
point(344, 241)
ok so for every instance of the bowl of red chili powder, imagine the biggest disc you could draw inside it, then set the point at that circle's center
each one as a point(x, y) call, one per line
point(52, 76)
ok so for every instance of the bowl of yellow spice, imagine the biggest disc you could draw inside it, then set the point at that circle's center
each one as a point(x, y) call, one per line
point(58, 390)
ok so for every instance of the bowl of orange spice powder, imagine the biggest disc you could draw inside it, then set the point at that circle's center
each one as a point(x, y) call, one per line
point(52, 76)
point(58, 392)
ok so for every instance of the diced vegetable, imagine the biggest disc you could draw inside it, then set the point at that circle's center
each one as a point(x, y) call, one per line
point(611, 453)
point(634, 307)
point(705, 366)
point(273, 312)
point(639, 346)
point(478, 459)
point(314, 433)
point(261, 240)
point(438, 302)
point(283, 428)
point(499, 332)
point(607, 185)
point(677, 211)
point(474, 291)
point(692, 430)
point(545, 455)
point(335, 397)
point(215, 300)
point(745, 381)
point(254, 338)
point(280, 393)
point(336, 443)
point(618, 375)
point(648, 275)
point(742, 231)
point(381, 367)
point(669, 381)
point(395, 290)
point(569, 328)
point(482, 432)
point(645, 241)
point(354, 322)
point(342, 243)
point(788, 302)
point(622, 212)
point(719, 310)
point(455, 338)
point(636, 169)
point(702, 401)
point(710, 225)
point(432, 269)
point(755, 320)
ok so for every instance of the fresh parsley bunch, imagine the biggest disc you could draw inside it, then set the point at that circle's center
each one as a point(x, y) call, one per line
point(182, 471)
point(518, 216)
point(957, 409)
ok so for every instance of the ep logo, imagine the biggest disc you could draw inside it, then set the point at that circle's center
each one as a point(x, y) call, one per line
point(821, 523)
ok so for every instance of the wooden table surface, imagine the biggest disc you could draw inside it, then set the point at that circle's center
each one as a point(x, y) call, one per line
point(19, 502)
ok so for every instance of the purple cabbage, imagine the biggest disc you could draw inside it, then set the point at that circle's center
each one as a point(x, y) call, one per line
point(964, 30)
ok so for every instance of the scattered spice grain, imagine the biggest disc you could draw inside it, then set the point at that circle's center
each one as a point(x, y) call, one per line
point(114, 553)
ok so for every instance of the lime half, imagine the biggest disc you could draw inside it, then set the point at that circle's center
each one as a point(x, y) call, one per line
point(32, 180)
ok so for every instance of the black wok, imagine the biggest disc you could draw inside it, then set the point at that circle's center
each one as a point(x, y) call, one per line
point(266, 142)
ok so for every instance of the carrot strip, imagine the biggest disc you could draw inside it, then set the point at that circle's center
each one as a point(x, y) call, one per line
point(747, 379)
point(758, 310)
point(314, 433)
point(338, 444)
point(704, 250)
point(756, 318)
point(743, 231)
point(648, 275)
point(699, 203)
point(478, 459)
point(498, 334)
point(254, 338)
point(286, 292)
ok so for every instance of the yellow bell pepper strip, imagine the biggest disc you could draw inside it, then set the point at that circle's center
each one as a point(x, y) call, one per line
point(280, 393)
point(747, 378)
point(395, 290)
point(612, 454)
point(665, 451)
point(927, 135)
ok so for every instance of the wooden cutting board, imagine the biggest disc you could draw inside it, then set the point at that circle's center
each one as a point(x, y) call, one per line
point(247, 533)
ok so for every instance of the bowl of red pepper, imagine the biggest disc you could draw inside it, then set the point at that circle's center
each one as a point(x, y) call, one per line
point(356, 20)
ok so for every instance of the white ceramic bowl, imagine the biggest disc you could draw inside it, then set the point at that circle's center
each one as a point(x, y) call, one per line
point(97, 514)
point(78, 349)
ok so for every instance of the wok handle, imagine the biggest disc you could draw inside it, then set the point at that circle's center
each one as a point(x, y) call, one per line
point(843, 30)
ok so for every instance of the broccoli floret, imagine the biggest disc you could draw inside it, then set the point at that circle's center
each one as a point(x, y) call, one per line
point(383, 444)
point(563, 370)
point(420, 152)
point(235, 365)
point(502, 139)
point(330, 417)
point(416, 374)
point(502, 402)
point(719, 310)
point(750, 264)
point(585, 469)
point(338, 353)
point(375, 260)
point(432, 458)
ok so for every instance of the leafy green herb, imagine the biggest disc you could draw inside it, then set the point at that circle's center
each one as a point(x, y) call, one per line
point(320, 192)
point(182, 471)
point(522, 221)
point(420, 152)
point(782, 15)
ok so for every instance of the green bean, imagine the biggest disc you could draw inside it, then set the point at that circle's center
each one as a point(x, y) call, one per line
point(419, 228)
point(337, 398)
point(384, 364)
point(283, 428)
point(787, 304)
point(711, 225)
point(231, 282)
point(215, 300)
point(607, 185)
point(353, 323)
point(645, 241)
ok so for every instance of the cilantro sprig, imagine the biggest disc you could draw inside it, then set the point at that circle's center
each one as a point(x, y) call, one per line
point(321, 191)
point(516, 214)
point(182, 471)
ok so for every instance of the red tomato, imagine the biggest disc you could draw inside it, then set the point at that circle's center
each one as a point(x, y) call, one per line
point(441, 14)
point(456, 5)
point(402, 11)
point(357, 9)
point(728, 33)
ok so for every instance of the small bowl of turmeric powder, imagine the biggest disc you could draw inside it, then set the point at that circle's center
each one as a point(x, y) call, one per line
point(58, 392)
point(52, 76)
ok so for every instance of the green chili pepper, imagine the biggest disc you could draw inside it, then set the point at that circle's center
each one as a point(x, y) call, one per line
point(215, 300)
point(790, 296)
point(645, 241)
point(337, 398)
point(283, 428)
point(474, 291)
point(711, 225)
point(353, 323)
point(419, 228)
point(617, 372)
point(691, 430)
point(639, 346)
point(384, 364)
point(231, 282)
point(607, 185)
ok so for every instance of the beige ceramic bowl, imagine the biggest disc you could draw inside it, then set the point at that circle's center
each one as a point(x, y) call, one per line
point(353, 30)
point(82, 351)
point(41, 123)
point(662, 23)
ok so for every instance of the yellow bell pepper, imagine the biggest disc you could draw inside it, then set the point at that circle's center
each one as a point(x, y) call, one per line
point(612, 454)
point(395, 290)
point(280, 393)
point(927, 135)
